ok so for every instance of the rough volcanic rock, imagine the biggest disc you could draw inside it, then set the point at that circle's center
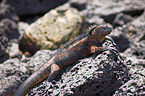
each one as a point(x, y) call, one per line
point(8, 29)
point(120, 38)
point(101, 75)
point(122, 19)
point(132, 36)
point(136, 32)
point(100, 12)
point(3, 45)
point(31, 7)
point(105, 71)
point(53, 29)
point(12, 73)
point(118, 13)
point(9, 33)
point(13, 50)
point(7, 11)
point(8, 23)
point(136, 84)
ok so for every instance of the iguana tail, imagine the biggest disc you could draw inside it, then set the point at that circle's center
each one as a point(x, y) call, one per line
point(34, 79)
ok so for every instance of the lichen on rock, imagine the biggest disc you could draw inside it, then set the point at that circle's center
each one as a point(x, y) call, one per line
point(53, 29)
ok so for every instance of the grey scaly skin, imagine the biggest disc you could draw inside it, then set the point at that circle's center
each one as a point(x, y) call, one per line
point(78, 48)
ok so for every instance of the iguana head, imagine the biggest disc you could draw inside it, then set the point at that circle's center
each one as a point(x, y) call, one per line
point(99, 32)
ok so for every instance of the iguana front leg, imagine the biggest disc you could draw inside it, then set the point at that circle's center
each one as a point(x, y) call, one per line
point(96, 50)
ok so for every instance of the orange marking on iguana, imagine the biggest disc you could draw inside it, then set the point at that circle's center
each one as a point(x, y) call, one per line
point(78, 48)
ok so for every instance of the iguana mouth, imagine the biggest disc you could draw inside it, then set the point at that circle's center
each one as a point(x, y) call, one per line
point(108, 30)
point(104, 29)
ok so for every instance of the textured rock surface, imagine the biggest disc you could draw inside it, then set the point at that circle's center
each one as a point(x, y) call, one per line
point(111, 6)
point(136, 34)
point(8, 23)
point(136, 84)
point(101, 75)
point(106, 71)
point(14, 71)
point(117, 13)
point(13, 50)
point(53, 29)
point(3, 45)
point(7, 11)
point(120, 38)
point(131, 37)
point(8, 33)
point(31, 7)
point(8, 29)
point(135, 53)
point(86, 76)
point(99, 12)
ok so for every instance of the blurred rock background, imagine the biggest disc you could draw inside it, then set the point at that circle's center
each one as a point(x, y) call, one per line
point(29, 29)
